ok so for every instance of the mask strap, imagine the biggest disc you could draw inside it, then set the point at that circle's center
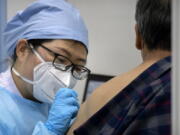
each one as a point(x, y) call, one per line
point(37, 54)
point(23, 78)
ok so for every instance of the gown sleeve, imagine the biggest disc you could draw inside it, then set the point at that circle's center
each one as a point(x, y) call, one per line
point(40, 129)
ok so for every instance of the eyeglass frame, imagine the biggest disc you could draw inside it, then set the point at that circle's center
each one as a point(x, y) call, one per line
point(67, 67)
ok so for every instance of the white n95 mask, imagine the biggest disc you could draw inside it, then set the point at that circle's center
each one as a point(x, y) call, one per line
point(47, 80)
point(50, 80)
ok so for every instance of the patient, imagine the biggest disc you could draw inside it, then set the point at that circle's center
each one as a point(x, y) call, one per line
point(137, 102)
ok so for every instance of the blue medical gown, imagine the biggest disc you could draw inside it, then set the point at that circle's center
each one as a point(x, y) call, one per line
point(19, 116)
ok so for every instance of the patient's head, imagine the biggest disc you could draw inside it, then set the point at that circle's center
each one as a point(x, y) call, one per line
point(153, 28)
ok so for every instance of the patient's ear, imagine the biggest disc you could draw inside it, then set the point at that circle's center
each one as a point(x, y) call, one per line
point(139, 41)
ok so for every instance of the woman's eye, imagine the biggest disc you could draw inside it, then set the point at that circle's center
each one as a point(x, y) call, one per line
point(79, 69)
point(62, 61)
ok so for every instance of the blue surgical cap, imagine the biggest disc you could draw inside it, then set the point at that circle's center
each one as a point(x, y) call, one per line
point(45, 19)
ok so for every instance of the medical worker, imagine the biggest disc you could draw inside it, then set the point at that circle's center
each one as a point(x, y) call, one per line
point(48, 46)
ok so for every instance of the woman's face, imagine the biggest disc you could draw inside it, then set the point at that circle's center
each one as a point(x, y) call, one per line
point(27, 60)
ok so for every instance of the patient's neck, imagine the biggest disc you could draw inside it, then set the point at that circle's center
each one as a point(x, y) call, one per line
point(154, 56)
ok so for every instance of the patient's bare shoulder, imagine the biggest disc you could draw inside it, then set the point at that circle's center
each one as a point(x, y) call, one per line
point(103, 94)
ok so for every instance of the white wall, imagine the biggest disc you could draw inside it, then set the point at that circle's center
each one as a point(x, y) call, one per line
point(111, 34)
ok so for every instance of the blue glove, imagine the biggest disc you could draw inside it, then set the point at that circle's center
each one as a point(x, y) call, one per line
point(63, 110)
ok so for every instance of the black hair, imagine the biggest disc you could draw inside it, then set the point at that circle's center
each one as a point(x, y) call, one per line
point(153, 19)
point(35, 43)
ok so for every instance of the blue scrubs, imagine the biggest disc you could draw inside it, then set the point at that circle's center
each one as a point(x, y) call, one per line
point(19, 116)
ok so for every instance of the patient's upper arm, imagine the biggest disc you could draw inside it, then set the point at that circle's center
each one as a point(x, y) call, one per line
point(96, 101)
point(102, 95)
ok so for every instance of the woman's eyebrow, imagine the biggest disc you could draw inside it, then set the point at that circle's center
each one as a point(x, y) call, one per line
point(82, 60)
point(64, 51)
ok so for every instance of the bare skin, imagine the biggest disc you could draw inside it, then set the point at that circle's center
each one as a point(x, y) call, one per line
point(102, 95)
point(26, 60)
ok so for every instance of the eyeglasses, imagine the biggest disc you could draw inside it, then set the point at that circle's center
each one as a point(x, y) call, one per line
point(62, 63)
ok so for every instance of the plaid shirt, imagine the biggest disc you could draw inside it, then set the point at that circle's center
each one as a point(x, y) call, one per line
point(142, 108)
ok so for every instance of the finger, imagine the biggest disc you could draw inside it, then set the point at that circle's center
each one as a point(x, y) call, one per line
point(74, 111)
point(71, 101)
point(66, 92)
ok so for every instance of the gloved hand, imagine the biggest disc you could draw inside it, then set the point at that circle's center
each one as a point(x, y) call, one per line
point(63, 110)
